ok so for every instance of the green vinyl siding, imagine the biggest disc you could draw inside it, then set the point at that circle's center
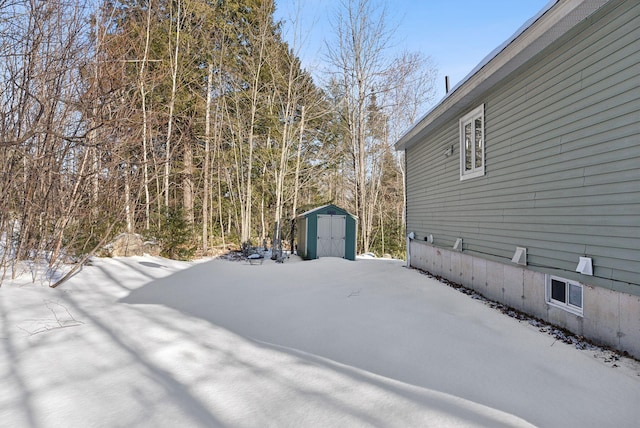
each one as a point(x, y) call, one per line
point(562, 160)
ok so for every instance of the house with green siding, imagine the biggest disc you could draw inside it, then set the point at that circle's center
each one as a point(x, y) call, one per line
point(523, 182)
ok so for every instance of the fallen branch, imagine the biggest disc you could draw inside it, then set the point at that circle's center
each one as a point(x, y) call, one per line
point(86, 257)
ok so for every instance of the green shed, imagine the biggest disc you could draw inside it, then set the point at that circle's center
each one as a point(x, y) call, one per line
point(326, 231)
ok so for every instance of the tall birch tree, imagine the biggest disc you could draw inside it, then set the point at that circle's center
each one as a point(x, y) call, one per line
point(359, 58)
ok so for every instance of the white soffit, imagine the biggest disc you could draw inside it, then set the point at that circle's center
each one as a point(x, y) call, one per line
point(552, 22)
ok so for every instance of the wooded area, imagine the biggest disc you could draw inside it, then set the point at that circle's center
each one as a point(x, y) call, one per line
point(193, 123)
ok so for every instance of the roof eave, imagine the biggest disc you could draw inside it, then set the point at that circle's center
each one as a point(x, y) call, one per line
point(547, 26)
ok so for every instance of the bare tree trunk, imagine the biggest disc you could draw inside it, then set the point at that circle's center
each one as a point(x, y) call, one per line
point(382, 236)
point(145, 125)
point(280, 173)
point(296, 188)
point(127, 198)
point(263, 234)
point(172, 102)
point(257, 62)
point(92, 138)
point(358, 56)
point(220, 213)
point(218, 157)
point(207, 162)
point(187, 183)
point(296, 180)
point(247, 201)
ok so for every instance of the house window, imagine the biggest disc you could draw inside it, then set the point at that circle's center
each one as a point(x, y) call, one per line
point(472, 144)
point(565, 294)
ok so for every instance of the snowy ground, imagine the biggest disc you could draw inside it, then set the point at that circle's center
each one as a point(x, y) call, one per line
point(149, 342)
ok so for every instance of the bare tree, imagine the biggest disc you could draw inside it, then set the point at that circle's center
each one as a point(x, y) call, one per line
point(43, 137)
point(248, 97)
point(145, 122)
point(376, 97)
point(172, 98)
point(207, 160)
point(359, 58)
point(409, 91)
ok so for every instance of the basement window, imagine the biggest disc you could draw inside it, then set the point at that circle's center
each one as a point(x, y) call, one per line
point(472, 144)
point(565, 294)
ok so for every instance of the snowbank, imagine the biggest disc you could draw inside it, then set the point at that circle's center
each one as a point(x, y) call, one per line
point(146, 341)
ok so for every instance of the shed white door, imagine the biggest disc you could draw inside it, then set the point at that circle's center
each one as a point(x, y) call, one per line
point(331, 235)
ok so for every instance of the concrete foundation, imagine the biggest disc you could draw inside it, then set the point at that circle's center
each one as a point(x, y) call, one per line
point(609, 317)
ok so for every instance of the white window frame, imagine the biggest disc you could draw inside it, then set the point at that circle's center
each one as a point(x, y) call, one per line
point(469, 118)
point(566, 305)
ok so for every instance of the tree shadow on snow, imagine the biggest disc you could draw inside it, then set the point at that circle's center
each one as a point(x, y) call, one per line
point(316, 313)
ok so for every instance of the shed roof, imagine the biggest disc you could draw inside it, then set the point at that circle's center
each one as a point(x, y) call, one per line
point(544, 28)
point(314, 210)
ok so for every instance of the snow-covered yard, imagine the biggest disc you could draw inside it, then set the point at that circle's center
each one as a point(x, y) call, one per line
point(150, 342)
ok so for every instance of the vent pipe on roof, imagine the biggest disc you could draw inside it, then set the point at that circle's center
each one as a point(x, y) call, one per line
point(446, 84)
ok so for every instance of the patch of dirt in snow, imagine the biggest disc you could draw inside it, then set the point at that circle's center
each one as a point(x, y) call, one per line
point(234, 256)
point(608, 356)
